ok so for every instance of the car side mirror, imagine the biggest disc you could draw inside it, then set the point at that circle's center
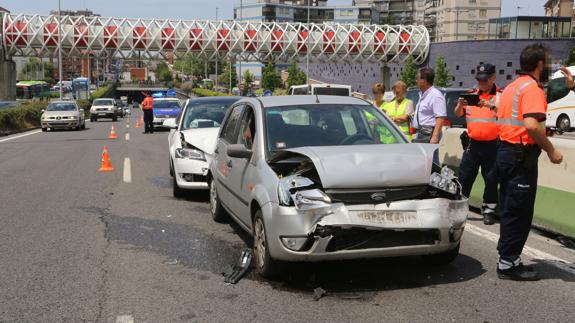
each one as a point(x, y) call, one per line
point(239, 151)
point(170, 123)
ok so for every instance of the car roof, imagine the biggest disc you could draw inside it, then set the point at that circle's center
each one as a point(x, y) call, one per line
point(286, 100)
point(63, 101)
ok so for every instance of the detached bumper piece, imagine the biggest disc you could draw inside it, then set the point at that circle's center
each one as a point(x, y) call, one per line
point(236, 272)
point(361, 239)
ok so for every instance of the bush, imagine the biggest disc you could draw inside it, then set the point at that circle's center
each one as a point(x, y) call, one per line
point(24, 116)
point(101, 92)
point(205, 92)
point(279, 92)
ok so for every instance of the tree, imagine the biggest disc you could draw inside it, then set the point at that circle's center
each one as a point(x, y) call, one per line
point(571, 58)
point(296, 76)
point(270, 78)
point(163, 72)
point(409, 73)
point(248, 79)
point(442, 76)
point(224, 78)
point(35, 69)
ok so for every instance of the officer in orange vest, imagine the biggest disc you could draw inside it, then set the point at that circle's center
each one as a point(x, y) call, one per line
point(147, 107)
point(520, 114)
point(480, 140)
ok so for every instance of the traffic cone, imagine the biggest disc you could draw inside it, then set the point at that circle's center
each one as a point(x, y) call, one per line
point(113, 134)
point(138, 124)
point(106, 164)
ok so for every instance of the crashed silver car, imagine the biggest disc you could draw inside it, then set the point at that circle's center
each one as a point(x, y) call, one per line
point(317, 178)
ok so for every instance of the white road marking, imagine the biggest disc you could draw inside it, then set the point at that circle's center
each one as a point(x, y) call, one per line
point(127, 170)
point(128, 126)
point(127, 136)
point(125, 319)
point(528, 251)
point(20, 136)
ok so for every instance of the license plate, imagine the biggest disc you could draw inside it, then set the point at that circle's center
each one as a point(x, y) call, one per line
point(397, 218)
point(102, 113)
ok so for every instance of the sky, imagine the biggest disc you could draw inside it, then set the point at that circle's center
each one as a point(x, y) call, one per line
point(196, 9)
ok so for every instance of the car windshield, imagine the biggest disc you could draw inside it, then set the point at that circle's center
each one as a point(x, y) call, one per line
point(167, 104)
point(61, 107)
point(103, 102)
point(204, 114)
point(328, 125)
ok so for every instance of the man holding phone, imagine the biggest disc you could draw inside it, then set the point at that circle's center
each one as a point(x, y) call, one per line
point(480, 141)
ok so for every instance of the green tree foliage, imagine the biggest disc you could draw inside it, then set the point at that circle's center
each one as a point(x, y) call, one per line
point(271, 79)
point(571, 58)
point(409, 73)
point(33, 69)
point(442, 76)
point(163, 72)
point(296, 76)
point(248, 79)
point(224, 78)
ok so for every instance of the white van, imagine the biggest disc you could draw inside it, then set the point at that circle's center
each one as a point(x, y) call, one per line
point(560, 111)
point(321, 89)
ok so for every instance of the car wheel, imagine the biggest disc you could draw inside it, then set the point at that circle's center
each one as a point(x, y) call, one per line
point(44, 129)
point(266, 266)
point(84, 125)
point(218, 213)
point(563, 123)
point(114, 118)
point(171, 168)
point(178, 191)
point(443, 258)
point(92, 119)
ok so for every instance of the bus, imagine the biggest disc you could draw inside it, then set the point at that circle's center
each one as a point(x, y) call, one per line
point(560, 109)
point(81, 87)
point(27, 90)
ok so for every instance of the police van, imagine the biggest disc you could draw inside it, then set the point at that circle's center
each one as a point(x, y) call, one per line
point(560, 110)
point(166, 106)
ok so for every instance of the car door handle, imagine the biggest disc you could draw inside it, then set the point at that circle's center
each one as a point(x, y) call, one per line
point(229, 163)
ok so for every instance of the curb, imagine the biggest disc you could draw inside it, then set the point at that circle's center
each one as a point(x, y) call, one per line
point(13, 132)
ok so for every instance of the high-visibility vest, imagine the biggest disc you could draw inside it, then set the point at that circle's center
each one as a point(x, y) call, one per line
point(385, 136)
point(510, 111)
point(148, 103)
point(482, 121)
point(392, 110)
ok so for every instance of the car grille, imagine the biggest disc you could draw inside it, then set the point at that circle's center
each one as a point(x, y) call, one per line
point(359, 238)
point(376, 196)
point(163, 116)
point(101, 109)
point(59, 118)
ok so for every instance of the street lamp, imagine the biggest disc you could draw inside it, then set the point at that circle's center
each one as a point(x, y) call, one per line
point(307, 44)
point(241, 21)
point(60, 51)
point(217, 55)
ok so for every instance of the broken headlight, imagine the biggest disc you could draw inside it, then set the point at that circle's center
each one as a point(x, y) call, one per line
point(190, 154)
point(445, 180)
point(310, 199)
point(291, 192)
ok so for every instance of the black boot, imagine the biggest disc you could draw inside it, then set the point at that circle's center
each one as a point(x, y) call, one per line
point(488, 215)
point(518, 273)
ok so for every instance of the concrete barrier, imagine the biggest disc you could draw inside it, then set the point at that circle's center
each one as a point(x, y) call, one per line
point(555, 203)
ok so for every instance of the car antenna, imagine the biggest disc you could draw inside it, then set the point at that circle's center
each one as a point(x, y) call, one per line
point(317, 98)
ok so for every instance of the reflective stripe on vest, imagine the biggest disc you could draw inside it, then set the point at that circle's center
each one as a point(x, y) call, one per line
point(514, 120)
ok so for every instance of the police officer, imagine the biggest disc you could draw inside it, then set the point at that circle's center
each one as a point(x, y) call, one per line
point(520, 113)
point(147, 107)
point(480, 140)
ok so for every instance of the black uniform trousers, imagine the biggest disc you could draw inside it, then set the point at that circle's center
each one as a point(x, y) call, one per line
point(517, 172)
point(480, 154)
point(149, 121)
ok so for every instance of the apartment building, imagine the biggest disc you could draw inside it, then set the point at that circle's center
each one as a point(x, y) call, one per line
point(559, 8)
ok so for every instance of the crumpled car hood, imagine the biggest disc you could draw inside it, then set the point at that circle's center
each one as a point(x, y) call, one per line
point(371, 166)
point(204, 139)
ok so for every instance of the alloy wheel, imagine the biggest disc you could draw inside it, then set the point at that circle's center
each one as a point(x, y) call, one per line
point(259, 243)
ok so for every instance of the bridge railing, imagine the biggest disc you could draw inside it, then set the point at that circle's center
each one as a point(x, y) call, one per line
point(259, 41)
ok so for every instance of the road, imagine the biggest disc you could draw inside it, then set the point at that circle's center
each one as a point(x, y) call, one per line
point(78, 245)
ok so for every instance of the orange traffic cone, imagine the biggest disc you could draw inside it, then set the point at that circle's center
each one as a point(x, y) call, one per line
point(138, 124)
point(106, 164)
point(113, 134)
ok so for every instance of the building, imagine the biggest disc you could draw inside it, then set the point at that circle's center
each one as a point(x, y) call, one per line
point(452, 20)
point(527, 27)
point(559, 8)
point(77, 13)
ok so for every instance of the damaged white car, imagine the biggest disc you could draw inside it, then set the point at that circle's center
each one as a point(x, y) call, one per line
point(317, 178)
point(192, 141)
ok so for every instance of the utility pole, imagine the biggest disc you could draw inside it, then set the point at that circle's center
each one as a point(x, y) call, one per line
point(60, 73)
point(241, 21)
point(217, 56)
point(307, 44)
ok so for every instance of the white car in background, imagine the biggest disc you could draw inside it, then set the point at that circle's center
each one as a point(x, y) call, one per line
point(192, 141)
point(561, 109)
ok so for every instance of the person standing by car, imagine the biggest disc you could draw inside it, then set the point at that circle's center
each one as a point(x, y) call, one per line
point(431, 109)
point(400, 110)
point(147, 107)
point(378, 90)
point(480, 140)
point(522, 108)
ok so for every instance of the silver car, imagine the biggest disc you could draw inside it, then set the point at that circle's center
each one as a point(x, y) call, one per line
point(63, 115)
point(317, 178)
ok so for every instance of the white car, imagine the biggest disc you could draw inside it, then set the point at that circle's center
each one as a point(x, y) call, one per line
point(63, 115)
point(192, 141)
point(561, 109)
point(104, 108)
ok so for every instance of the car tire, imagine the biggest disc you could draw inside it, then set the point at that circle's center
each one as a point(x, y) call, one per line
point(114, 118)
point(171, 168)
point(219, 214)
point(44, 129)
point(83, 125)
point(444, 258)
point(265, 265)
point(177, 191)
point(564, 123)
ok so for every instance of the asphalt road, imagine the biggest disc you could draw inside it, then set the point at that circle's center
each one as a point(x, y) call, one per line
point(78, 245)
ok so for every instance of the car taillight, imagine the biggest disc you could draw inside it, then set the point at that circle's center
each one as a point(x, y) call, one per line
point(447, 123)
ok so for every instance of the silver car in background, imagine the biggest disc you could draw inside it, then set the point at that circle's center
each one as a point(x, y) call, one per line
point(63, 115)
point(315, 178)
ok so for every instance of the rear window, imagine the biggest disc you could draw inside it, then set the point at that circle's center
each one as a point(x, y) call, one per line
point(103, 102)
point(167, 104)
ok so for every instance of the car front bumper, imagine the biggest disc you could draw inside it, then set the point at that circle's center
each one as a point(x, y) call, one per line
point(191, 173)
point(404, 228)
point(62, 124)
point(159, 122)
point(102, 114)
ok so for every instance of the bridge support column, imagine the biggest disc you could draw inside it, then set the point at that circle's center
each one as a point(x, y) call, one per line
point(7, 78)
